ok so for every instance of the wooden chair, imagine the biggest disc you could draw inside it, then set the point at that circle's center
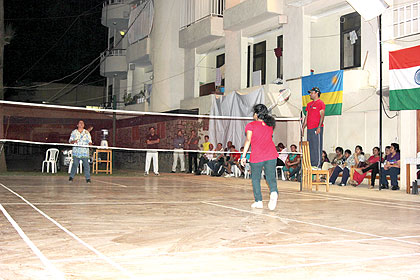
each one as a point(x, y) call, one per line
point(307, 172)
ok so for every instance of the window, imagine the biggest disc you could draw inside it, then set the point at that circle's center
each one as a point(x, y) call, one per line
point(220, 61)
point(259, 60)
point(350, 41)
point(279, 55)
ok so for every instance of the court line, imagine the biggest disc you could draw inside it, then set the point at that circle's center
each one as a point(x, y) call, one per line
point(102, 256)
point(309, 223)
point(227, 249)
point(50, 267)
point(120, 185)
point(360, 200)
point(256, 270)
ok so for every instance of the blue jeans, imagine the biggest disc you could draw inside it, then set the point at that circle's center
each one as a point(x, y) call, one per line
point(86, 167)
point(270, 176)
point(315, 146)
point(393, 173)
point(336, 172)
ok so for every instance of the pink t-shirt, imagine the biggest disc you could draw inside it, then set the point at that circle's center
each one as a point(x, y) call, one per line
point(262, 144)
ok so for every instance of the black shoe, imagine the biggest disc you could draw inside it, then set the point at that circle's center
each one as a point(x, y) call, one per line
point(70, 179)
point(383, 187)
point(395, 188)
point(172, 171)
point(88, 181)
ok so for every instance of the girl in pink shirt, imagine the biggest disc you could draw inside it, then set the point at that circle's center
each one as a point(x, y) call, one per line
point(259, 135)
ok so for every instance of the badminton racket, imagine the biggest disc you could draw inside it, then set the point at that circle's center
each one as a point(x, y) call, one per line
point(282, 98)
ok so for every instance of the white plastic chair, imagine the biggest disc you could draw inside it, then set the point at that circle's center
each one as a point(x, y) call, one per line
point(247, 169)
point(282, 173)
point(51, 157)
point(207, 169)
point(236, 171)
point(79, 168)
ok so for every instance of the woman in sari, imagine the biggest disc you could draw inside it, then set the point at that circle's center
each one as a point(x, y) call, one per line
point(372, 164)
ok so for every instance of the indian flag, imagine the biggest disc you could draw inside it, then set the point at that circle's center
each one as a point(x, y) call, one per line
point(404, 79)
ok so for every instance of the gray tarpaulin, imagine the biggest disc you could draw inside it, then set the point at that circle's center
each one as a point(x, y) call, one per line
point(233, 104)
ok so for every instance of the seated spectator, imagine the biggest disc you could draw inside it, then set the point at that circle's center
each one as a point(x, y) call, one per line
point(218, 160)
point(351, 160)
point(361, 172)
point(281, 159)
point(324, 157)
point(340, 168)
point(292, 163)
point(205, 158)
point(391, 168)
point(337, 160)
point(233, 160)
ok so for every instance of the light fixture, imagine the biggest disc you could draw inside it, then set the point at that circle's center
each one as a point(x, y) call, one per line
point(369, 9)
point(122, 33)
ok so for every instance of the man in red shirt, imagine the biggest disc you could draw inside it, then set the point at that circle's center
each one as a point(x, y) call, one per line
point(314, 120)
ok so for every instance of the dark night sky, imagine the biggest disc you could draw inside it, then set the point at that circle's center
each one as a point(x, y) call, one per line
point(38, 25)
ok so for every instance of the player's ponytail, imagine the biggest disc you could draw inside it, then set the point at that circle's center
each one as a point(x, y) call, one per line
point(263, 114)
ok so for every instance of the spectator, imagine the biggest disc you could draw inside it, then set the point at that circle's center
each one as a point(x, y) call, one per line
point(391, 168)
point(152, 142)
point(233, 160)
point(337, 160)
point(372, 164)
point(192, 156)
point(218, 159)
point(248, 156)
point(205, 158)
point(281, 159)
point(339, 168)
point(178, 146)
point(206, 144)
point(352, 160)
point(292, 163)
point(325, 157)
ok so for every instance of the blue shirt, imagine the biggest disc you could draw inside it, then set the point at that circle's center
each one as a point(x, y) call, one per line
point(82, 139)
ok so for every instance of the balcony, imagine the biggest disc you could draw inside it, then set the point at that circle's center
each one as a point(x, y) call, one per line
point(114, 64)
point(139, 53)
point(201, 22)
point(251, 13)
point(115, 14)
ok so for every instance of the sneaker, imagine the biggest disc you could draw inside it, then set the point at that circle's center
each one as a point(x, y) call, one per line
point(342, 185)
point(383, 187)
point(157, 174)
point(395, 188)
point(172, 171)
point(146, 173)
point(257, 205)
point(88, 181)
point(232, 175)
point(227, 176)
point(70, 179)
point(273, 201)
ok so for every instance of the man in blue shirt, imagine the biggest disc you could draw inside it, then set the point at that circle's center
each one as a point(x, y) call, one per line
point(80, 137)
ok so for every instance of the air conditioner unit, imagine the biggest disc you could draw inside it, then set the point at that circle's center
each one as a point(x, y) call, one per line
point(132, 66)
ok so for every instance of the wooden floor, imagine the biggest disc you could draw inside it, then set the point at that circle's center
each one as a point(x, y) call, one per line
point(181, 226)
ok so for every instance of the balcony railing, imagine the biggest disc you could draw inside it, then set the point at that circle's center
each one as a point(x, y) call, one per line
point(115, 52)
point(195, 10)
point(406, 19)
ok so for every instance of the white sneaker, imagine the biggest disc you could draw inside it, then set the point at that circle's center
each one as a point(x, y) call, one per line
point(227, 176)
point(273, 201)
point(257, 204)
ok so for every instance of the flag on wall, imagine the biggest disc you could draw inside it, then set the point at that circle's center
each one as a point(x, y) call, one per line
point(331, 87)
point(404, 79)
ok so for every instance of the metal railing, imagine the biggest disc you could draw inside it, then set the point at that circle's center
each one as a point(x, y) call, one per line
point(195, 10)
point(114, 52)
point(406, 19)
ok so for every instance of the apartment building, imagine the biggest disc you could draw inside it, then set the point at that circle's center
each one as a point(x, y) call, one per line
point(174, 54)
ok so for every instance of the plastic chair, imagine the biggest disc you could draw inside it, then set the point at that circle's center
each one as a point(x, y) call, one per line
point(79, 168)
point(51, 157)
point(236, 171)
point(282, 173)
point(207, 169)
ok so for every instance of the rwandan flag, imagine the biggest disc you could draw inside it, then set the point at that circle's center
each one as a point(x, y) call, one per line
point(404, 79)
point(331, 86)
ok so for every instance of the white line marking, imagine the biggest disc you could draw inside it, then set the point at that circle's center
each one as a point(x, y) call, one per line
point(223, 250)
point(96, 180)
point(227, 272)
point(310, 223)
point(102, 256)
point(51, 268)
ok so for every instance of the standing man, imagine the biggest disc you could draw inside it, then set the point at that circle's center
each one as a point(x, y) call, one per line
point(178, 151)
point(314, 120)
point(192, 156)
point(152, 141)
point(80, 137)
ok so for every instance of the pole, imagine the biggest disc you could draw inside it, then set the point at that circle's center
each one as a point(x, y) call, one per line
point(380, 96)
point(301, 139)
